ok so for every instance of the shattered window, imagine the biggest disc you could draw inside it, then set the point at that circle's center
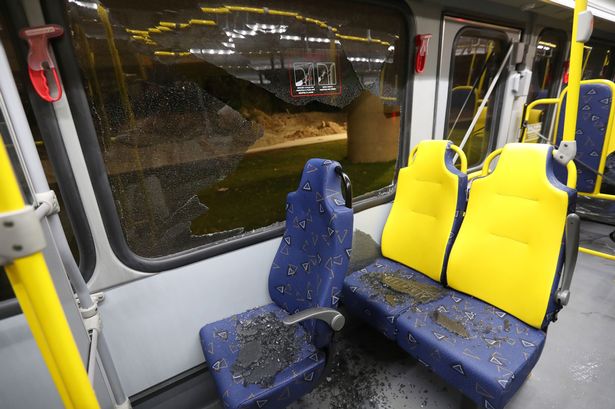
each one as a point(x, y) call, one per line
point(206, 112)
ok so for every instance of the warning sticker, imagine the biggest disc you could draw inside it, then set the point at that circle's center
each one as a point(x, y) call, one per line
point(314, 77)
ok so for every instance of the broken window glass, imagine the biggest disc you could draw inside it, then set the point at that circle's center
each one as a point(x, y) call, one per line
point(396, 288)
point(206, 112)
point(266, 347)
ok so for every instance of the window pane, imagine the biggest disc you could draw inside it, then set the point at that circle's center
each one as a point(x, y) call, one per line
point(207, 112)
point(545, 71)
point(597, 61)
point(547, 62)
point(476, 60)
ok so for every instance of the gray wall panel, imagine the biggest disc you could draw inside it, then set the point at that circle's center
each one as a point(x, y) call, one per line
point(152, 324)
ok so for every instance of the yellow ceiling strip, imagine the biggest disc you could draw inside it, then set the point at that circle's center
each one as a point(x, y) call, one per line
point(164, 53)
point(216, 10)
point(137, 32)
point(202, 22)
point(247, 9)
point(282, 13)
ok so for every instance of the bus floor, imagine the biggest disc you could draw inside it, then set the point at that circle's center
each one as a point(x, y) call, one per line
point(576, 369)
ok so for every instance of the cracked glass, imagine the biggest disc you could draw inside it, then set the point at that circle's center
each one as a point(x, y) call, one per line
point(206, 112)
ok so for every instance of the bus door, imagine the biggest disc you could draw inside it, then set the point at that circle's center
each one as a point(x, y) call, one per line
point(471, 91)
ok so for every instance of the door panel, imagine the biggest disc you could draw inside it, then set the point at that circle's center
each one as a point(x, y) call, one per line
point(471, 54)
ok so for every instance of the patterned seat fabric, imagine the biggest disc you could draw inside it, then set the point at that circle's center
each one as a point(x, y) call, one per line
point(378, 294)
point(595, 105)
point(222, 347)
point(508, 253)
point(254, 359)
point(310, 265)
point(506, 258)
point(482, 351)
point(421, 227)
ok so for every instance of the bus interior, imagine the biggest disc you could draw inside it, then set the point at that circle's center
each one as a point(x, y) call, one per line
point(325, 204)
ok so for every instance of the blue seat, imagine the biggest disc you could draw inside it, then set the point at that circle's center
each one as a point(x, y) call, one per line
point(366, 296)
point(424, 219)
point(483, 351)
point(592, 134)
point(222, 347)
point(255, 358)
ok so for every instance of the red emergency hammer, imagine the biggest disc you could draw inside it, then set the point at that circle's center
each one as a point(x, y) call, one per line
point(40, 64)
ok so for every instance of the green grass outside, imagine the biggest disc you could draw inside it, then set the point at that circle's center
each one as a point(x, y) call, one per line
point(254, 195)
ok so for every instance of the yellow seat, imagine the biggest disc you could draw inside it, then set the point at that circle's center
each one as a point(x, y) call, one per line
point(422, 224)
point(509, 249)
point(428, 208)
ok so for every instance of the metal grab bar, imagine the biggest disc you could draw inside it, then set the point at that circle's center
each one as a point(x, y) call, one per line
point(34, 289)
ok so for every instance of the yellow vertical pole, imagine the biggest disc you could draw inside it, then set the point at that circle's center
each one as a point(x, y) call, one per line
point(41, 306)
point(546, 76)
point(586, 59)
point(574, 75)
point(606, 62)
point(469, 80)
point(479, 92)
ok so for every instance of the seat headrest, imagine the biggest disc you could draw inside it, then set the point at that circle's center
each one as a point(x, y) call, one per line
point(310, 265)
point(509, 249)
point(427, 209)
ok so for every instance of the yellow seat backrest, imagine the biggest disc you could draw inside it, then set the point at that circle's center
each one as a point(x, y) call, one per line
point(427, 209)
point(509, 248)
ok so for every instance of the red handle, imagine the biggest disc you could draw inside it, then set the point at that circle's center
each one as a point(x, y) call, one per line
point(39, 82)
point(40, 63)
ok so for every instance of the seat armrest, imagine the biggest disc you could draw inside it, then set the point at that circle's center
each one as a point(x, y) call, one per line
point(329, 315)
point(573, 228)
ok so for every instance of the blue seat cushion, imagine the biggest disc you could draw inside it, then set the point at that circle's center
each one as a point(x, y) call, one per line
point(484, 352)
point(371, 294)
point(258, 362)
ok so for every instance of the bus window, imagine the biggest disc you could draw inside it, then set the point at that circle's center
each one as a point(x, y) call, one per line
point(477, 57)
point(546, 70)
point(207, 111)
point(597, 61)
point(547, 64)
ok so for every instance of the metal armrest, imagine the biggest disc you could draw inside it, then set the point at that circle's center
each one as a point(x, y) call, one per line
point(332, 317)
point(573, 227)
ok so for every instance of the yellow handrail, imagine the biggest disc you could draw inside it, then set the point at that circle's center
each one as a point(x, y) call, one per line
point(41, 306)
point(528, 112)
point(597, 253)
point(574, 75)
